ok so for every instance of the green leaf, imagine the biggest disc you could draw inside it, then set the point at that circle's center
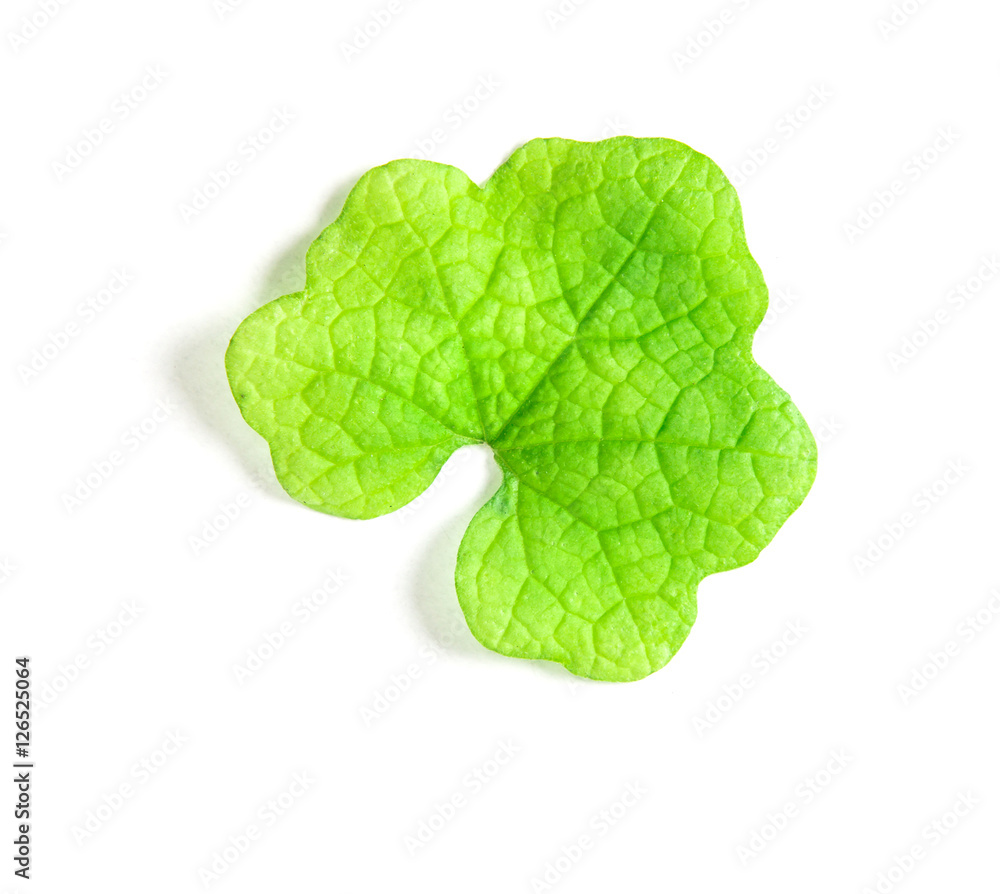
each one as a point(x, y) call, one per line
point(588, 313)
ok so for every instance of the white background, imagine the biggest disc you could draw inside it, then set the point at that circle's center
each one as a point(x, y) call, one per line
point(734, 728)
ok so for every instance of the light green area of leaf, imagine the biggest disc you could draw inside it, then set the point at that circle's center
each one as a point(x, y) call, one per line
point(589, 314)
